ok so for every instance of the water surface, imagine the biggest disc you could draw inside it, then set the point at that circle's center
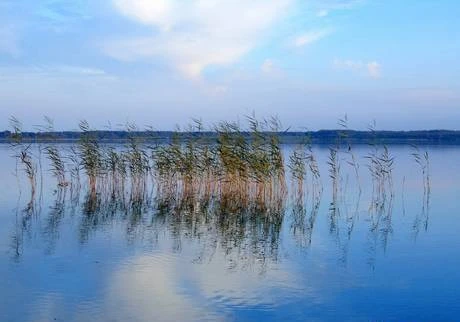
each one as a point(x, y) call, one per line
point(341, 260)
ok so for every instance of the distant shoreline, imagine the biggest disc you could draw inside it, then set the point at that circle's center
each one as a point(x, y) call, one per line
point(426, 137)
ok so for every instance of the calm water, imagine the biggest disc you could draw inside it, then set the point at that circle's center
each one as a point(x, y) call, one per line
point(347, 262)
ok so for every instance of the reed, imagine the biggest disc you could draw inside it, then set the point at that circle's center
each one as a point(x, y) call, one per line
point(423, 161)
point(316, 175)
point(298, 168)
point(352, 161)
point(29, 168)
point(380, 166)
point(74, 169)
point(242, 166)
point(138, 164)
point(90, 155)
point(334, 162)
point(23, 155)
point(43, 139)
point(334, 171)
point(226, 184)
point(57, 165)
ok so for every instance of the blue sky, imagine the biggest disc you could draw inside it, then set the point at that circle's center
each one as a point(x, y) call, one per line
point(161, 62)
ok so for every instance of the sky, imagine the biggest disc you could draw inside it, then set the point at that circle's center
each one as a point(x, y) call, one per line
point(160, 63)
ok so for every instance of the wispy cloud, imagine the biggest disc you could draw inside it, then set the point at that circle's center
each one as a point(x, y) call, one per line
point(62, 15)
point(54, 71)
point(49, 15)
point(192, 35)
point(78, 70)
point(64, 10)
point(310, 37)
point(373, 69)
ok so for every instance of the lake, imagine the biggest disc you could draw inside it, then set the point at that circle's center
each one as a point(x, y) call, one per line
point(322, 258)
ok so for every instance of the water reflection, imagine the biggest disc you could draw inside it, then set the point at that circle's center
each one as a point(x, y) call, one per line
point(56, 213)
point(78, 256)
point(304, 218)
point(248, 233)
point(422, 218)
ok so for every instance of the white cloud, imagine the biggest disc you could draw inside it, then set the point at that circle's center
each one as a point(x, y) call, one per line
point(322, 13)
point(159, 12)
point(311, 37)
point(149, 288)
point(372, 69)
point(267, 66)
point(192, 35)
point(79, 70)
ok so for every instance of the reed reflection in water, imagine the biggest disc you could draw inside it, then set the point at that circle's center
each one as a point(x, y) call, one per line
point(246, 229)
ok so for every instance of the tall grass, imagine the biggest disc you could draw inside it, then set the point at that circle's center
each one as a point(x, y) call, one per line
point(298, 168)
point(90, 155)
point(303, 165)
point(239, 165)
point(352, 161)
point(334, 171)
point(380, 166)
point(23, 155)
point(423, 161)
point(237, 174)
point(57, 165)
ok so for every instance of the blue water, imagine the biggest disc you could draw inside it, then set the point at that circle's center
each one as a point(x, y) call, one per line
point(344, 263)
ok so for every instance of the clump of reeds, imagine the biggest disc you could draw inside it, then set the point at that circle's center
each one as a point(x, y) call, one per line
point(423, 160)
point(138, 164)
point(316, 175)
point(57, 165)
point(44, 137)
point(23, 155)
point(74, 168)
point(334, 161)
point(237, 173)
point(302, 161)
point(90, 155)
point(29, 168)
point(298, 168)
point(353, 161)
point(334, 170)
point(240, 165)
point(381, 169)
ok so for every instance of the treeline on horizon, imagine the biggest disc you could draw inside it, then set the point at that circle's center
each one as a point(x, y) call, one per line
point(448, 137)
